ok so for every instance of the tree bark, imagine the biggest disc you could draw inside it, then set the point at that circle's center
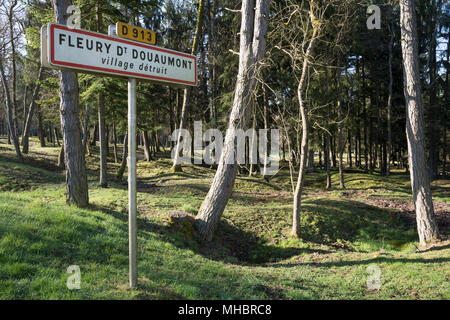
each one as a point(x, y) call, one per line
point(339, 114)
point(9, 109)
point(26, 131)
point(40, 127)
point(25, 110)
point(366, 148)
point(420, 183)
point(433, 110)
point(389, 105)
point(14, 69)
point(56, 136)
point(349, 138)
point(85, 129)
point(102, 136)
point(305, 130)
point(61, 162)
point(76, 179)
point(252, 47)
point(147, 154)
point(123, 164)
point(327, 138)
point(101, 117)
point(177, 161)
point(116, 156)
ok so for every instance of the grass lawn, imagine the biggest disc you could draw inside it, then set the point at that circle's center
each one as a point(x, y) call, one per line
point(252, 256)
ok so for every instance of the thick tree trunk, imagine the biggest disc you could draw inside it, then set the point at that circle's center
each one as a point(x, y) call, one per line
point(27, 127)
point(76, 179)
point(420, 182)
point(252, 47)
point(9, 109)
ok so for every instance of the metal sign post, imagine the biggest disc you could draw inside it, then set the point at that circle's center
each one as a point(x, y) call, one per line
point(132, 193)
point(132, 223)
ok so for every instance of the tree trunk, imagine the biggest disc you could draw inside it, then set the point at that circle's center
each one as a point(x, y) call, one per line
point(310, 161)
point(123, 164)
point(447, 101)
point(25, 111)
point(340, 139)
point(389, 105)
point(85, 129)
point(57, 137)
point(76, 179)
point(420, 182)
point(27, 127)
point(252, 47)
point(147, 154)
point(212, 62)
point(101, 116)
point(349, 138)
point(102, 136)
point(305, 123)
point(116, 156)
point(365, 133)
point(327, 137)
point(107, 139)
point(433, 110)
point(177, 161)
point(40, 127)
point(14, 69)
point(61, 162)
point(9, 109)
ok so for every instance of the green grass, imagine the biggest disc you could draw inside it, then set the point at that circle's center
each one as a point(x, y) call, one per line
point(251, 257)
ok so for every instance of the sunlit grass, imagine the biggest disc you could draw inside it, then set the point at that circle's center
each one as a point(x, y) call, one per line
point(253, 255)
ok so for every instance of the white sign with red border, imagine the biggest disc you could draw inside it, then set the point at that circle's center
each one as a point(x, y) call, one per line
point(89, 51)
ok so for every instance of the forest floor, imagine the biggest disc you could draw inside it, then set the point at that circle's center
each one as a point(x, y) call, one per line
point(252, 256)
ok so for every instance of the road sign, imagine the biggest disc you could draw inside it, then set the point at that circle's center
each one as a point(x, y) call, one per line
point(87, 51)
point(135, 33)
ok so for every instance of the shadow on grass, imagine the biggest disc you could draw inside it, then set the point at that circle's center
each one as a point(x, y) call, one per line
point(381, 259)
point(230, 244)
point(31, 159)
point(19, 177)
point(327, 221)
